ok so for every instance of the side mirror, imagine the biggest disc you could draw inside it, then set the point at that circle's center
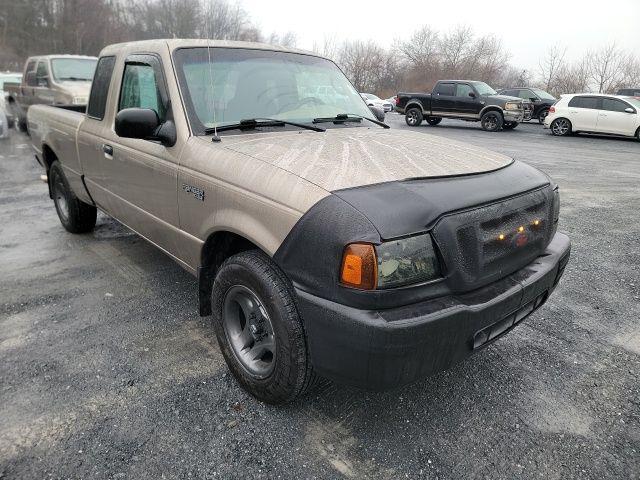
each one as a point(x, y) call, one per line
point(533, 99)
point(472, 94)
point(377, 112)
point(143, 123)
point(629, 110)
point(136, 123)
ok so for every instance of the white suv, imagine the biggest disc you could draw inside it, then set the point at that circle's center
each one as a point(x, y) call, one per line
point(595, 113)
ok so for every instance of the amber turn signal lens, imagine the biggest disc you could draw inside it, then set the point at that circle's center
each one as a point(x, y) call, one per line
point(359, 267)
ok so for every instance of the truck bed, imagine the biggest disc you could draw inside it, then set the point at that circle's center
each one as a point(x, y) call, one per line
point(57, 125)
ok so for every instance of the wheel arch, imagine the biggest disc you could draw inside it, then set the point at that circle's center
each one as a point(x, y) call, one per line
point(491, 108)
point(218, 246)
point(414, 103)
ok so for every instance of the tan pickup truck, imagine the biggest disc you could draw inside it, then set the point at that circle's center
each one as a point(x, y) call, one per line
point(324, 243)
point(50, 80)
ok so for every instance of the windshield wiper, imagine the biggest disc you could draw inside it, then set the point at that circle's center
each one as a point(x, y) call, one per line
point(253, 123)
point(348, 117)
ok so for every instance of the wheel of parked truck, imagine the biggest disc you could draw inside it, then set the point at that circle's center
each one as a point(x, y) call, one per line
point(509, 125)
point(259, 330)
point(491, 121)
point(561, 127)
point(413, 117)
point(21, 125)
point(75, 215)
point(433, 121)
point(542, 115)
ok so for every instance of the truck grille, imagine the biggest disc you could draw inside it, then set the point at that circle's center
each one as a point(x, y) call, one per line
point(484, 244)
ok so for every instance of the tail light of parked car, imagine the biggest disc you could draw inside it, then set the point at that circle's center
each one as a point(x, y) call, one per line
point(552, 109)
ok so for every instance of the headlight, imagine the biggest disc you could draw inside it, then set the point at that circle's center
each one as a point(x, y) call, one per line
point(513, 106)
point(395, 263)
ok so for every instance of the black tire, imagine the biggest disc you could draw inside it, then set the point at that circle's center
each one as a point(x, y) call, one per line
point(413, 117)
point(491, 121)
point(75, 215)
point(542, 115)
point(433, 121)
point(287, 373)
point(21, 125)
point(561, 127)
point(509, 125)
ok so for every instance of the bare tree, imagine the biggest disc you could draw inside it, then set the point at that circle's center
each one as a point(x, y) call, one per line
point(572, 78)
point(422, 50)
point(455, 48)
point(607, 67)
point(551, 64)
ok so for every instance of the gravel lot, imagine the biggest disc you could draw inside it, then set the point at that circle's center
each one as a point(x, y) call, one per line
point(106, 371)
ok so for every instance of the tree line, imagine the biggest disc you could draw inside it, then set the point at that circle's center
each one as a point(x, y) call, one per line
point(31, 27)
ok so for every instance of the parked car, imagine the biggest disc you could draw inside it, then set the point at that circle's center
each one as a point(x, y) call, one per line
point(595, 113)
point(629, 92)
point(8, 78)
point(374, 101)
point(540, 99)
point(51, 80)
point(319, 249)
point(392, 101)
point(463, 100)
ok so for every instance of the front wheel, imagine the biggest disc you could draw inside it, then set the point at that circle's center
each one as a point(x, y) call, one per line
point(542, 115)
point(433, 121)
point(491, 121)
point(413, 117)
point(509, 125)
point(75, 215)
point(259, 329)
point(561, 127)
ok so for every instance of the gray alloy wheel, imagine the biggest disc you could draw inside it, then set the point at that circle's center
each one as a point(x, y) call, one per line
point(561, 127)
point(413, 117)
point(249, 331)
point(542, 115)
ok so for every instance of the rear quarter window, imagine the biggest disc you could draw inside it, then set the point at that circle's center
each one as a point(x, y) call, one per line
point(585, 102)
point(100, 88)
point(445, 89)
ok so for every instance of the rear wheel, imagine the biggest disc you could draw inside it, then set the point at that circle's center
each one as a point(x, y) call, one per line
point(542, 115)
point(561, 127)
point(413, 117)
point(259, 329)
point(491, 121)
point(75, 215)
point(433, 121)
point(509, 125)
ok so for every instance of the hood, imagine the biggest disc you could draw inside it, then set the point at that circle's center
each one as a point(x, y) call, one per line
point(351, 157)
point(503, 98)
point(76, 88)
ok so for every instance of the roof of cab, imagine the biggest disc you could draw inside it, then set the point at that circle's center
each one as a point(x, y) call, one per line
point(174, 44)
point(49, 57)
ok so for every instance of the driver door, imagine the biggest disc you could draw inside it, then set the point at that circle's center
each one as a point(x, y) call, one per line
point(141, 175)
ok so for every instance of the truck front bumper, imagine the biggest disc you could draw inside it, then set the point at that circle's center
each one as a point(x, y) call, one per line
point(513, 115)
point(378, 350)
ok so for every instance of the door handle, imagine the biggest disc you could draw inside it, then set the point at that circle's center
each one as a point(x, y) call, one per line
point(108, 151)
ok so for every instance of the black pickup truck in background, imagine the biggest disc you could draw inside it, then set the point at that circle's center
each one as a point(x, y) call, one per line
point(464, 100)
point(540, 99)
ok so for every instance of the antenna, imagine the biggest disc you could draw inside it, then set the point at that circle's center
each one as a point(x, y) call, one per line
point(211, 104)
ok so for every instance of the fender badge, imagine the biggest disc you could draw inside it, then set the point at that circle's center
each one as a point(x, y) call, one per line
point(197, 192)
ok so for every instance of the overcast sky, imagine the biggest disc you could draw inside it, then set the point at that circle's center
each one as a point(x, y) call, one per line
point(527, 30)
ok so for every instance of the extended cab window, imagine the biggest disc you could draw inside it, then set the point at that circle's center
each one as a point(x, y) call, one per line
point(445, 89)
point(30, 77)
point(584, 102)
point(140, 89)
point(526, 95)
point(463, 90)
point(100, 88)
point(614, 105)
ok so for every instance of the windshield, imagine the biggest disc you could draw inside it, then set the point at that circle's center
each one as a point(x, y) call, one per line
point(483, 88)
point(241, 84)
point(9, 79)
point(78, 69)
point(543, 94)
